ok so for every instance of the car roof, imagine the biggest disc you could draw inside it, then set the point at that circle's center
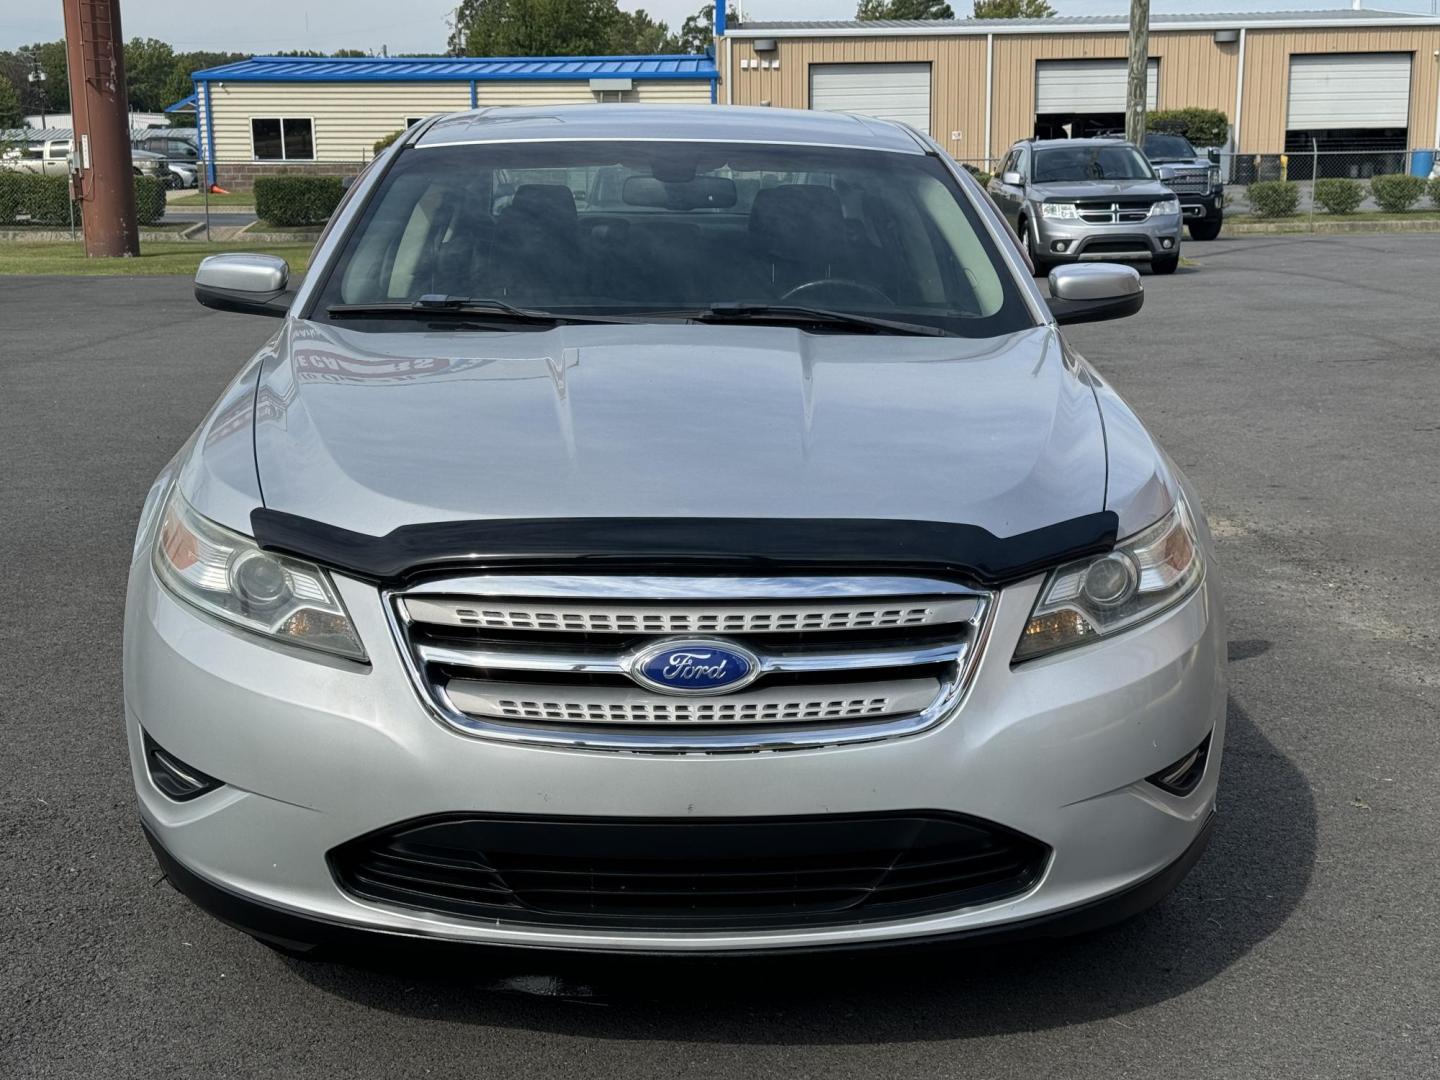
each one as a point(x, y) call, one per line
point(671, 123)
point(1098, 140)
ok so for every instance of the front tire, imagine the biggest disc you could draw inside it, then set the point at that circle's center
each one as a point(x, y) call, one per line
point(1207, 229)
point(1164, 264)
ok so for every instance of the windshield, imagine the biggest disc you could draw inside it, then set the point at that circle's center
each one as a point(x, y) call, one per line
point(1080, 163)
point(1168, 146)
point(654, 230)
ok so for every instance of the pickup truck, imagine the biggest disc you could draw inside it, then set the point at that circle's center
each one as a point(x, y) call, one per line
point(52, 158)
point(1194, 178)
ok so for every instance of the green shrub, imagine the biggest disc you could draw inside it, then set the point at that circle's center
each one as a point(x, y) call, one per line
point(1435, 192)
point(1203, 127)
point(385, 140)
point(149, 200)
point(297, 200)
point(28, 198)
point(1397, 192)
point(1339, 196)
point(1273, 198)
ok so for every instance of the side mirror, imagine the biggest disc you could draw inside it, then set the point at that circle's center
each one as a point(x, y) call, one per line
point(1013, 178)
point(1092, 292)
point(247, 283)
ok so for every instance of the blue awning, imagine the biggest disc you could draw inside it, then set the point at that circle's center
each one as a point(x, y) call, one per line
point(185, 104)
point(342, 69)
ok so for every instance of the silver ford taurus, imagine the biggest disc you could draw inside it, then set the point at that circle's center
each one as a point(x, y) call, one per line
point(671, 530)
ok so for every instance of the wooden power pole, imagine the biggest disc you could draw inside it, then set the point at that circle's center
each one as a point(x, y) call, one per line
point(1138, 82)
point(102, 174)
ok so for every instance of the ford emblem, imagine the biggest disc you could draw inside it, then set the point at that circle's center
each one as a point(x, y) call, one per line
point(702, 666)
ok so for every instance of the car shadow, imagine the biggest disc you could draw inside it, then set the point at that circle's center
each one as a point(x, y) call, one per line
point(1252, 877)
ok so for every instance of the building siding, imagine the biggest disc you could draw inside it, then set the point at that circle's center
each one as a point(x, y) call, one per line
point(1195, 70)
point(957, 78)
point(1267, 77)
point(348, 117)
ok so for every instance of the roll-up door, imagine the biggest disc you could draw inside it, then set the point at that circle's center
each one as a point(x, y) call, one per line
point(1349, 90)
point(888, 91)
point(1087, 86)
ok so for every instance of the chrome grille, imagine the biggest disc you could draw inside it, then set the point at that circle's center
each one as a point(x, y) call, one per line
point(1189, 181)
point(1128, 211)
point(608, 705)
point(547, 660)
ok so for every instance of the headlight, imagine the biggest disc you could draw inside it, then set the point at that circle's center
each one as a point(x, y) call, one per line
point(1215, 180)
point(1061, 211)
point(1165, 207)
point(228, 576)
point(1090, 599)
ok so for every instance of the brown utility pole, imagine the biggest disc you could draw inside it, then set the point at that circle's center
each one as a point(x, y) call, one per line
point(1138, 82)
point(101, 174)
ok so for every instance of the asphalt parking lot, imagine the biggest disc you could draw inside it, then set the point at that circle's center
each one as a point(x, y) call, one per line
point(1296, 380)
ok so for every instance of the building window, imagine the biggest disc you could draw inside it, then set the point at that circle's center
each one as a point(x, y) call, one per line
point(282, 139)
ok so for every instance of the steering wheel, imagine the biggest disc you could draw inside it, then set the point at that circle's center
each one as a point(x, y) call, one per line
point(843, 285)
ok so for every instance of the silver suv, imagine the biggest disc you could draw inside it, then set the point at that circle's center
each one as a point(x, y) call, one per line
point(1073, 199)
point(739, 561)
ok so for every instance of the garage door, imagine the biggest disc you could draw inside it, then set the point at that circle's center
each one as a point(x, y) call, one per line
point(1087, 86)
point(889, 91)
point(1349, 90)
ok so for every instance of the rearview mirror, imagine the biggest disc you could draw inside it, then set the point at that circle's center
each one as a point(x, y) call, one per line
point(1091, 292)
point(1013, 178)
point(248, 283)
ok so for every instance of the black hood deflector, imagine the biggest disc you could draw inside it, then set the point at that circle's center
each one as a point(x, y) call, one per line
point(715, 545)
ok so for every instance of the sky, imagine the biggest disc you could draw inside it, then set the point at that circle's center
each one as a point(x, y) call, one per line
point(260, 26)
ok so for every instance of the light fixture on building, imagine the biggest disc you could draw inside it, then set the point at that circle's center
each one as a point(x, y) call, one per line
point(1226, 37)
point(764, 44)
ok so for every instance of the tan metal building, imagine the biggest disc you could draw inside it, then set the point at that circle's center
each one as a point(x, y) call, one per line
point(1344, 77)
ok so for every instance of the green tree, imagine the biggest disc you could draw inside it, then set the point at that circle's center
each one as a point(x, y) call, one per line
point(636, 33)
point(534, 28)
point(51, 95)
point(11, 114)
point(697, 32)
point(149, 72)
point(871, 10)
point(1013, 9)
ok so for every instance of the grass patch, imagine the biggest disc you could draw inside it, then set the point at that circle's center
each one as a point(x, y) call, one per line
point(161, 257)
point(235, 198)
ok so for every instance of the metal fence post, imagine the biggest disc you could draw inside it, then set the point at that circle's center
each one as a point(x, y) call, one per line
point(1314, 177)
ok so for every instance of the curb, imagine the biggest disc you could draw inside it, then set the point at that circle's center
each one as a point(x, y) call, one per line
point(52, 236)
point(1271, 228)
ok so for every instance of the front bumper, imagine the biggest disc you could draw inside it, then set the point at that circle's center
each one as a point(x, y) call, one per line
point(314, 754)
point(1202, 207)
point(1156, 237)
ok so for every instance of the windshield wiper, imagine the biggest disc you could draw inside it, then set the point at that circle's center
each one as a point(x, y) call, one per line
point(436, 304)
point(799, 313)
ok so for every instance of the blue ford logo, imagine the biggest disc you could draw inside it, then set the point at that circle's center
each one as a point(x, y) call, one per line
point(694, 667)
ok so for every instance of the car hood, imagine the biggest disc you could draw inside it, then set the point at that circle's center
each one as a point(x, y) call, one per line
point(1096, 189)
point(371, 431)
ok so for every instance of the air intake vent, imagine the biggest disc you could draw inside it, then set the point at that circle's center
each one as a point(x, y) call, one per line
point(717, 873)
point(175, 779)
point(1184, 776)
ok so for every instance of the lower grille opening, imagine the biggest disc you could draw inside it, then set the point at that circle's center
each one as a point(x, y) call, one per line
point(711, 873)
point(1116, 246)
point(1183, 776)
point(175, 779)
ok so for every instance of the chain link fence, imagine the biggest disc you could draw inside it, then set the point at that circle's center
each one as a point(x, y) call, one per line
point(219, 202)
